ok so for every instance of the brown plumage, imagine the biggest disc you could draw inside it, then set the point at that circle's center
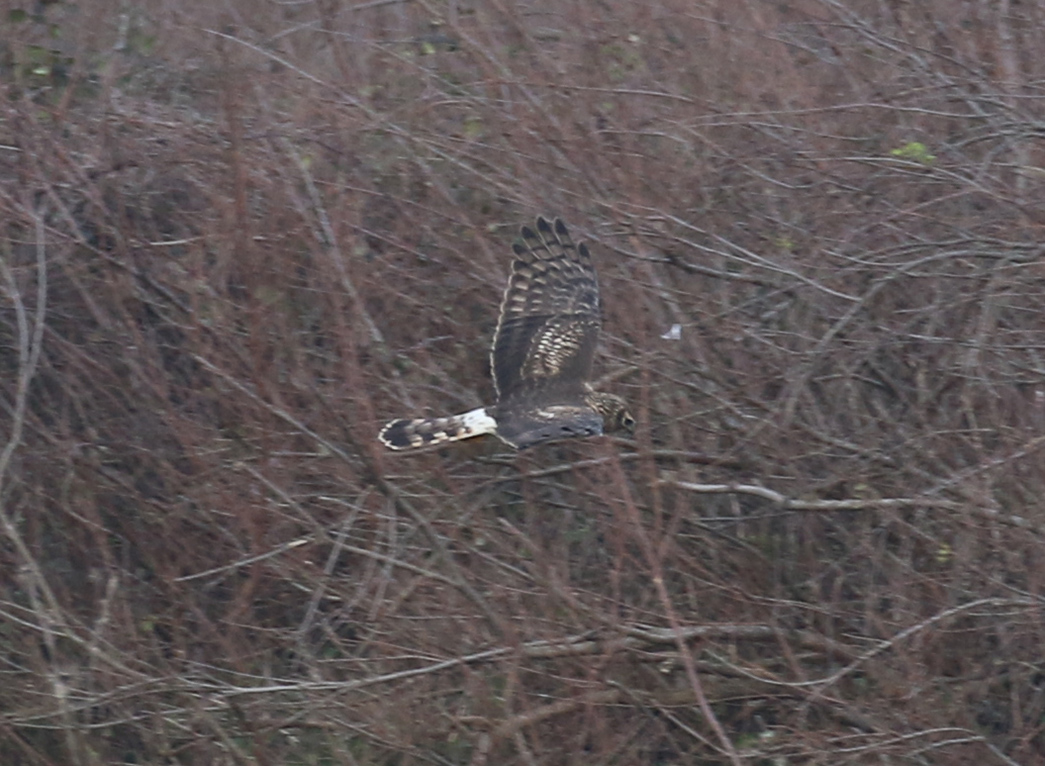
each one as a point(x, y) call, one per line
point(541, 358)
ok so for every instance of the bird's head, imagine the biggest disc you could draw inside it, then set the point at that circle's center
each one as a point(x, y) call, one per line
point(614, 411)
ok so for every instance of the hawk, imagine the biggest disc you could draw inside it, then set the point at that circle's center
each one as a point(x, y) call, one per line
point(541, 357)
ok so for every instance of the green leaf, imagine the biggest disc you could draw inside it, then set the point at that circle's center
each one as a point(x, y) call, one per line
point(916, 151)
point(473, 127)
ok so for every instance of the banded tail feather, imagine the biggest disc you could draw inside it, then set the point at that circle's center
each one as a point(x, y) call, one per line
point(417, 433)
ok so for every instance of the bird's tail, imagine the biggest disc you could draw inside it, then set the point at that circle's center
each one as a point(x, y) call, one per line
point(418, 433)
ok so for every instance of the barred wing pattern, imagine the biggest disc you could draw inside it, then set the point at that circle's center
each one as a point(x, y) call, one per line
point(545, 341)
point(550, 315)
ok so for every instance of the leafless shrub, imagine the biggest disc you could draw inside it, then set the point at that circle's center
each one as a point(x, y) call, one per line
point(236, 240)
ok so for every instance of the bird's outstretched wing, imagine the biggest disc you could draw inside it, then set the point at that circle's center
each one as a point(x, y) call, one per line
point(550, 319)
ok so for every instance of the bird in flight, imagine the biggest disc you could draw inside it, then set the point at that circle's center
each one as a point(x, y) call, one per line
point(541, 358)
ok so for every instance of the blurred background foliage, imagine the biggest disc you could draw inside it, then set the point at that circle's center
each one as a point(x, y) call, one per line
point(237, 237)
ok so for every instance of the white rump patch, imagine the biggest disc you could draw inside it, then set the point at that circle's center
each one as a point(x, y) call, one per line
point(477, 422)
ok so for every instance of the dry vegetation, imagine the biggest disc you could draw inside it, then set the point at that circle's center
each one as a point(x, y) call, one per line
point(238, 236)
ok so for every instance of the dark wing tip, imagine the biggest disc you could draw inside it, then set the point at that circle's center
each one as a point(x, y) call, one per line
point(518, 248)
point(543, 226)
point(560, 228)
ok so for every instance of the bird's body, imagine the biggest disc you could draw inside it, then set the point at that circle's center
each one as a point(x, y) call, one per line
point(541, 357)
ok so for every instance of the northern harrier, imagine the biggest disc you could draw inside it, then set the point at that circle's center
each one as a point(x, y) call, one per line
point(541, 357)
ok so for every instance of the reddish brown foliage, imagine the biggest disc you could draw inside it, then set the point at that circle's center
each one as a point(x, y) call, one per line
point(263, 232)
